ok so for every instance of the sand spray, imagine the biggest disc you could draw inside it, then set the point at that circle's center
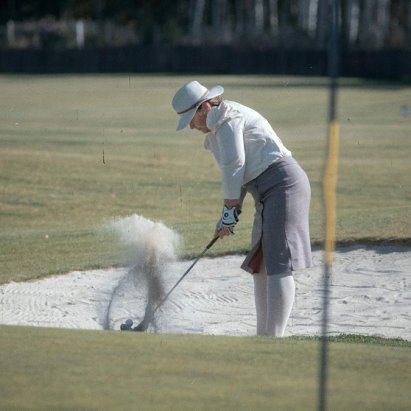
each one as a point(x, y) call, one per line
point(149, 247)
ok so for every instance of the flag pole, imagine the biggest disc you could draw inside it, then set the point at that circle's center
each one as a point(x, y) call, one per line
point(329, 197)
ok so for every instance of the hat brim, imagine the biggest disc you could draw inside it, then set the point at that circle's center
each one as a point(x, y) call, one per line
point(186, 118)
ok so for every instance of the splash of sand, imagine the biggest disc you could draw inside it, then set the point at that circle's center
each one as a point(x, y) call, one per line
point(149, 247)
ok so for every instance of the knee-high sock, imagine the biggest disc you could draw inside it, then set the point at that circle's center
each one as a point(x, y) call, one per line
point(260, 297)
point(280, 300)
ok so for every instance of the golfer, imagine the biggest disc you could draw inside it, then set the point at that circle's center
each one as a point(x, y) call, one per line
point(253, 159)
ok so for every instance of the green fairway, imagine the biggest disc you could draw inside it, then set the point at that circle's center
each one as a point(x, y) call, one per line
point(89, 370)
point(76, 151)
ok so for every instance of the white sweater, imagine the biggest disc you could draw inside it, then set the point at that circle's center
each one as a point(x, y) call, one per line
point(243, 143)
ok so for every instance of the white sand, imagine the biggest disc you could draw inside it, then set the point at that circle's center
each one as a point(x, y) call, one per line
point(369, 295)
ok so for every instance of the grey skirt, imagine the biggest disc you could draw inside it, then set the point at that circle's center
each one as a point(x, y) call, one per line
point(281, 233)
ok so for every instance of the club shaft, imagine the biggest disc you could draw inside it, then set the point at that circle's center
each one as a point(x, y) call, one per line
point(209, 245)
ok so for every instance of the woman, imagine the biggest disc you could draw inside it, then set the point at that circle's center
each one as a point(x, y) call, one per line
point(253, 159)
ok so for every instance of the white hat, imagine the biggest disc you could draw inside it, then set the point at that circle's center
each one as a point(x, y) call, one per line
point(189, 97)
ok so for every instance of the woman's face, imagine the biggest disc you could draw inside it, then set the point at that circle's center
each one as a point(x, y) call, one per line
point(199, 121)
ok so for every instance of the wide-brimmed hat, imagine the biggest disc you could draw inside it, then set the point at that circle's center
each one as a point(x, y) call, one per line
point(189, 98)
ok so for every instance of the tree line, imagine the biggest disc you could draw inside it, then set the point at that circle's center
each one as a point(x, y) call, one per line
point(364, 24)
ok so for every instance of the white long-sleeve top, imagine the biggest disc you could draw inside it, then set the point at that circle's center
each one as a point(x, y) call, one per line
point(243, 143)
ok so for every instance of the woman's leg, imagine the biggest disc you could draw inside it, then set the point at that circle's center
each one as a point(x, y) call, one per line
point(260, 297)
point(274, 299)
point(280, 300)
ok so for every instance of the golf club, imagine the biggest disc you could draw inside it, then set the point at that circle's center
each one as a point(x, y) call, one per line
point(149, 315)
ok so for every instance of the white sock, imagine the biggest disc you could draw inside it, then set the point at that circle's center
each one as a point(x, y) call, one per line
point(260, 298)
point(280, 300)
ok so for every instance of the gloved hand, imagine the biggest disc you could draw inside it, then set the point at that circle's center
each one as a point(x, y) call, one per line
point(229, 218)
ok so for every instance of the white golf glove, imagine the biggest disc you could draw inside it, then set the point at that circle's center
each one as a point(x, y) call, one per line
point(229, 217)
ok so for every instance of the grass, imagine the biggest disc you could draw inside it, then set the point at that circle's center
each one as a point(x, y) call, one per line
point(76, 151)
point(68, 369)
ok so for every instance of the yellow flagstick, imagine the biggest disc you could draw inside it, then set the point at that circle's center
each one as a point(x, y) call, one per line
point(329, 190)
point(330, 202)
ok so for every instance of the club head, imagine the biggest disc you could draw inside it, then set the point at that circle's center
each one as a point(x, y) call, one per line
point(142, 326)
point(148, 318)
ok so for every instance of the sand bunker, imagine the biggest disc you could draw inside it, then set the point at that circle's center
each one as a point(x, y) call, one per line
point(370, 295)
